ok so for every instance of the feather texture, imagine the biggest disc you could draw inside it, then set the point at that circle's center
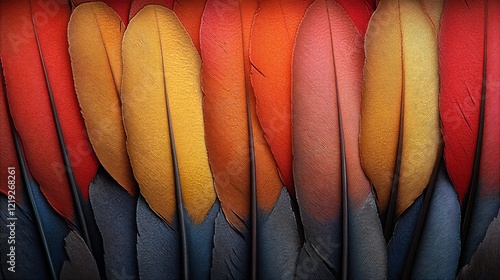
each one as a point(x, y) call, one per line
point(398, 141)
point(360, 11)
point(470, 59)
point(246, 177)
point(37, 71)
point(330, 184)
point(95, 34)
point(189, 13)
point(275, 21)
point(162, 109)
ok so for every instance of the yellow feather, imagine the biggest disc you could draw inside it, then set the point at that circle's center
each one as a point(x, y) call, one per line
point(95, 34)
point(158, 54)
point(401, 71)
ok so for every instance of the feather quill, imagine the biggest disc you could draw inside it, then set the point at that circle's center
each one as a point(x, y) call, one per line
point(246, 177)
point(470, 59)
point(334, 195)
point(399, 142)
point(162, 109)
point(275, 21)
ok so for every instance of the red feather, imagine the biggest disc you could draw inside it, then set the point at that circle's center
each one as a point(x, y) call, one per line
point(360, 12)
point(469, 46)
point(28, 98)
point(137, 5)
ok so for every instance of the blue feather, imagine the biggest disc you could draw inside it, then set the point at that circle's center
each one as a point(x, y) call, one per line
point(114, 211)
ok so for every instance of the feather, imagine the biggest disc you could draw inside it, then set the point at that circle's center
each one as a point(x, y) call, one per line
point(38, 77)
point(484, 263)
point(469, 59)
point(189, 13)
point(95, 35)
point(162, 109)
point(115, 215)
point(81, 264)
point(122, 7)
point(334, 195)
point(246, 177)
point(137, 5)
point(398, 140)
point(438, 248)
point(158, 245)
point(275, 21)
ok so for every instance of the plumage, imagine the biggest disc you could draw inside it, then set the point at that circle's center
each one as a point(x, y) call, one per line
point(246, 177)
point(37, 67)
point(330, 184)
point(95, 34)
point(470, 59)
point(360, 11)
point(189, 13)
point(275, 21)
point(399, 117)
point(162, 110)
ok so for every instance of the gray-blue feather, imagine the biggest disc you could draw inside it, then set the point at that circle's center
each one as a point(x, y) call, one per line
point(278, 241)
point(484, 211)
point(320, 256)
point(80, 264)
point(230, 252)
point(158, 248)
point(399, 245)
point(114, 212)
point(484, 263)
point(157, 245)
point(200, 244)
point(439, 249)
point(367, 246)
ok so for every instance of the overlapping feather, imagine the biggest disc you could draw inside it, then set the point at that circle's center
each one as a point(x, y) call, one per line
point(247, 241)
point(399, 118)
point(469, 106)
point(336, 205)
point(162, 110)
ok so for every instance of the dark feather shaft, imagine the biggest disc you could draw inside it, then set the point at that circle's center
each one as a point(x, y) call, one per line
point(471, 196)
point(29, 188)
point(175, 163)
point(253, 179)
point(343, 165)
point(75, 192)
point(422, 217)
point(391, 209)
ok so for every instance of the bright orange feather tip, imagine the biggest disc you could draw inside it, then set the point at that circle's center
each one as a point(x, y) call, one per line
point(225, 35)
point(137, 5)
point(276, 21)
point(462, 46)
point(189, 13)
point(121, 7)
point(29, 102)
